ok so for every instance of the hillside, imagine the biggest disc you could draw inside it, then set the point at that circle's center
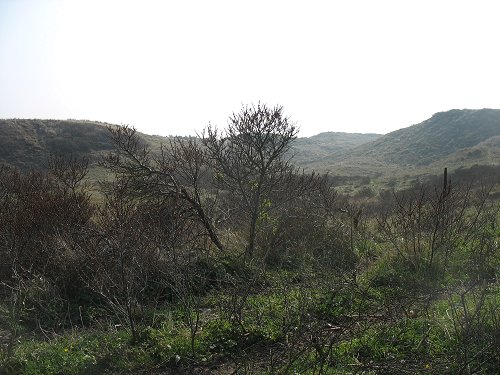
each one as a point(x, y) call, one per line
point(456, 139)
point(328, 144)
point(27, 143)
point(440, 136)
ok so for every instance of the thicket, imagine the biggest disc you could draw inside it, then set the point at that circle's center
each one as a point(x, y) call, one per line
point(218, 255)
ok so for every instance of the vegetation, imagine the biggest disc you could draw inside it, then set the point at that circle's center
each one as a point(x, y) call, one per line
point(324, 145)
point(457, 138)
point(357, 163)
point(218, 256)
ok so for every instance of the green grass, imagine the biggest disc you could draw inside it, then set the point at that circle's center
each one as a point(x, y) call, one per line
point(393, 316)
point(426, 342)
point(70, 354)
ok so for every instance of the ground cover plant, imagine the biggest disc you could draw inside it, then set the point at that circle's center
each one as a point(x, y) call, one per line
point(194, 262)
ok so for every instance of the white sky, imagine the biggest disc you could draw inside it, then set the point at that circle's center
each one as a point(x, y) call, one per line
point(171, 67)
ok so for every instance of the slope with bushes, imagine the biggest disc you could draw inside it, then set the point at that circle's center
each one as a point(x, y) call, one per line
point(442, 135)
point(333, 285)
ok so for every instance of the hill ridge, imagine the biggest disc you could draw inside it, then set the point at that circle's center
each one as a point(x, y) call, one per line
point(458, 138)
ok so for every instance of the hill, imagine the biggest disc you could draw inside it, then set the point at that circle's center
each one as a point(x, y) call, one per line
point(328, 144)
point(440, 136)
point(27, 143)
point(457, 139)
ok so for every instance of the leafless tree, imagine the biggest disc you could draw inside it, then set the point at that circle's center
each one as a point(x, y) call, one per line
point(428, 224)
point(177, 172)
point(251, 163)
point(119, 256)
point(39, 211)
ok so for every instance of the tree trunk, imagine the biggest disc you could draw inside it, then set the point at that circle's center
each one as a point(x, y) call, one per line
point(204, 219)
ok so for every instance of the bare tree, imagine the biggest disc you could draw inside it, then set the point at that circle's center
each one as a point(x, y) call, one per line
point(175, 173)
point(119, 256)
point(425, 227)
point(38, 210)
point(250, 162)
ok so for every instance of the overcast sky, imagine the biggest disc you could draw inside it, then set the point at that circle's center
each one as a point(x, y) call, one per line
point(171, 67)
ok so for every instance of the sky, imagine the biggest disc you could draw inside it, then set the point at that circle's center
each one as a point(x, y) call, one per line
point(173, 67)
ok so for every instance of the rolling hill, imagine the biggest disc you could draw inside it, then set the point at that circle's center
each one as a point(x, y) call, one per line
point(457, 139)
point(328, 144)
point(27, 144)
point(440, 136)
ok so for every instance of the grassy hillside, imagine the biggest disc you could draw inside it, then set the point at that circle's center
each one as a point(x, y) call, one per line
point(310, 149)
point(456, 139)
point(27, 143)
point(443, 134)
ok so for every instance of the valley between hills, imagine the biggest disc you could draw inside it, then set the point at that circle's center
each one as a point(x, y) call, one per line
point(467, 142)
point(124, 253)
